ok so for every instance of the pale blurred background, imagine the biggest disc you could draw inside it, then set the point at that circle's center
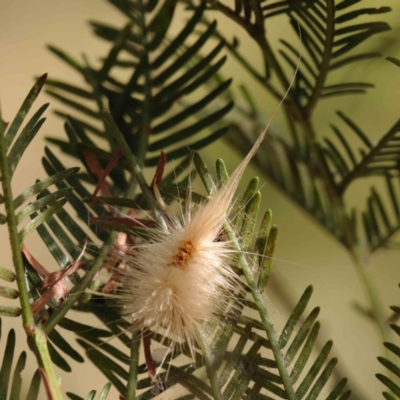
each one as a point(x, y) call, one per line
point(306, 254)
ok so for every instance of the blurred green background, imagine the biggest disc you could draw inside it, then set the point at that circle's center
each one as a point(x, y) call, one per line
point(306, 254)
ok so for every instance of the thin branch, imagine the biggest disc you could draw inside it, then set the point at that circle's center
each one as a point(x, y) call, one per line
point(253, 72)
point(134, 364)
point(136, 170)
point(146, 102)
point(258, 34)
point(216, 5)
point(383, 241)
point(256, 7)
point(323, 68)
point(33, 332)
point(27, 316)
point(211, 373)
point(370, 289)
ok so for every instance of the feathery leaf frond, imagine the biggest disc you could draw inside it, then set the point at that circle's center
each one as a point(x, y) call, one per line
point(147, 108)
point(326, 33)
point(380, 158)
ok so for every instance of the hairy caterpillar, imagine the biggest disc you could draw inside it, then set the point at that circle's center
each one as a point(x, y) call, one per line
point(182, 277)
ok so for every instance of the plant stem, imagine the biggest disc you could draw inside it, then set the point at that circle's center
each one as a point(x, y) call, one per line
point(323, 67)
point(27, 316)
point(256, 293)
point(40, 340)
point(145, 120)
point(211, 373)
point(33, 332)
point(370, 291)
point(136, 171)
point(255, 6)
point(259, 301)
point(133, 369)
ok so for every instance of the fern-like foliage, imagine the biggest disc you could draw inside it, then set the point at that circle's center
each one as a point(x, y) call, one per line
point(313, 176)
point(328, 31)
point(392, 381)
point(47, 205)
point(13, 142)
point(379, 159)
point(40, 210)
point(147, 107)
point(120, 126)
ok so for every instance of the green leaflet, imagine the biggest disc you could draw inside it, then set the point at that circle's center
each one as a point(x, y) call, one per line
point(23, 111)
point(11, 378)
point(391, 381)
